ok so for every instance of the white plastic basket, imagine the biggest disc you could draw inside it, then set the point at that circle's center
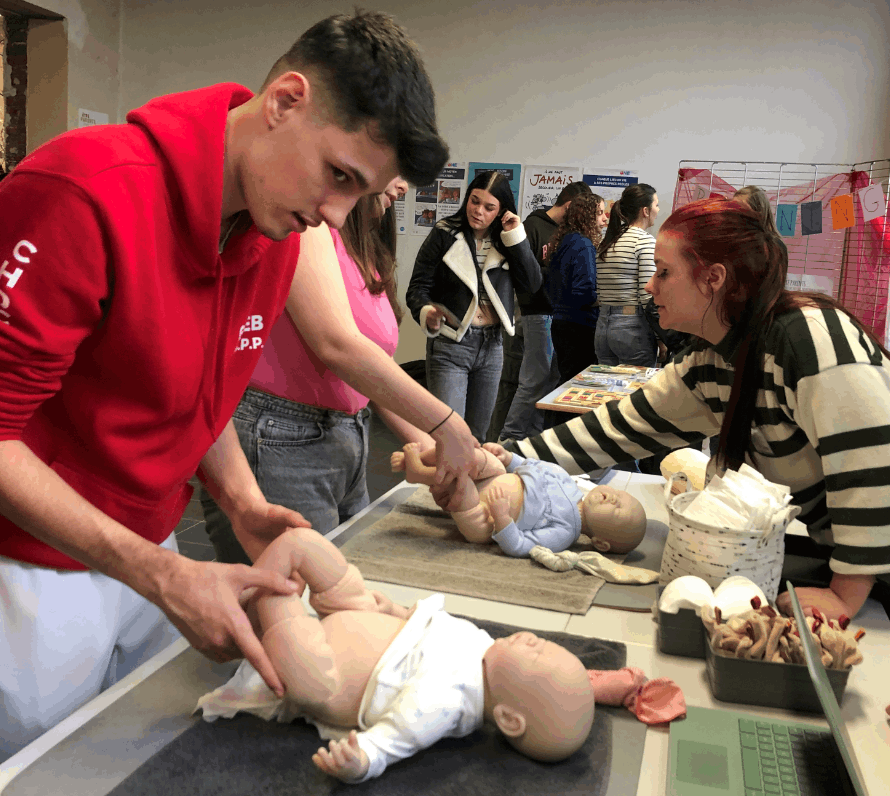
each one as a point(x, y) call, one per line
point(715, 553)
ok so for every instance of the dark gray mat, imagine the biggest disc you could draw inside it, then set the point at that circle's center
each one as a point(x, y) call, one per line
point(247, 755)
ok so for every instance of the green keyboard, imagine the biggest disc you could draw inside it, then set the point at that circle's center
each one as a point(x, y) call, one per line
point(778, 760)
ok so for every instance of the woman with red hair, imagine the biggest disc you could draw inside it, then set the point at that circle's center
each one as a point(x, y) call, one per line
point(791, 382)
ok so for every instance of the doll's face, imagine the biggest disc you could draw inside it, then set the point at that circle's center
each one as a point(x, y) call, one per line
point(541, 695)
point(614, 518)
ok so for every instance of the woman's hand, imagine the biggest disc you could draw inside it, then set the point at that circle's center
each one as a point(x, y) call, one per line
point(455, 449)
point(434, 318)
point(846, 597)
point(509, 221)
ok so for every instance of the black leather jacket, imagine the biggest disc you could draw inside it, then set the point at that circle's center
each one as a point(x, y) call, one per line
point(445, 273)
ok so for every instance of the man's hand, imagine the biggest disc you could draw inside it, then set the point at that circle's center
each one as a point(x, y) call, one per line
point(262, 522)
point(346, 761)
point(503, 456)
point(509, 221)
point(203, 600)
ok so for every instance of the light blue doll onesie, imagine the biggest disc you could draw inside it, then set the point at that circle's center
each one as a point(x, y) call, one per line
point(550, 516)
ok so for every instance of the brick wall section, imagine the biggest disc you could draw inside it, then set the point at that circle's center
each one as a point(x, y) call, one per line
point(17, 62)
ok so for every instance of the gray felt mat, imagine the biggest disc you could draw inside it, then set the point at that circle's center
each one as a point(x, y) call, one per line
point(417, 544)
point(247, 755)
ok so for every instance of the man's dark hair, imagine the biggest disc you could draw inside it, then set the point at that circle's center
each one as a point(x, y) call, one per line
point(571, 191)
point(368, 72)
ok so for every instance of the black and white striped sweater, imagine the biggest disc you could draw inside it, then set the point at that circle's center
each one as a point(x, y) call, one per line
point(822, 427)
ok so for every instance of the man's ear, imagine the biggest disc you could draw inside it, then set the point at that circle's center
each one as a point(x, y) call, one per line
point(509, 720)
point(288, 91)
point(601, 544)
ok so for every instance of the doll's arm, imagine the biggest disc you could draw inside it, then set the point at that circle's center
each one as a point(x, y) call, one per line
point(423, 713)
point(343, 759)
point(506, 533)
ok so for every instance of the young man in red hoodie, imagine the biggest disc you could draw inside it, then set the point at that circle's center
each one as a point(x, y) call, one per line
point(141, 268)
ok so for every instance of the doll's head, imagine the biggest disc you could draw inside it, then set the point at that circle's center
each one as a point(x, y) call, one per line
point(539, 695)
point(613, 518)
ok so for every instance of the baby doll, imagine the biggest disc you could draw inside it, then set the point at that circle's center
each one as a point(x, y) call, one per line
point(520, 503)
point(404, 678)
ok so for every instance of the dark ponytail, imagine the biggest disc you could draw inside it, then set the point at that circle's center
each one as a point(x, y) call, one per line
point(625, 211)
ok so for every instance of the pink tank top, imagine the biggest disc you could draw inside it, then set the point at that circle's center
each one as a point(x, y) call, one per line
point(290, 369)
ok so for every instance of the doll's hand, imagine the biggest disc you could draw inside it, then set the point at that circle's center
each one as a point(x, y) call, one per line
point(397, 462)
point(499, 506)
point(345, 760)
point(509, 221)
point(503, 456)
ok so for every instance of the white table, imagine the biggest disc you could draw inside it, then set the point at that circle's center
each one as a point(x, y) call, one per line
point(107, 739)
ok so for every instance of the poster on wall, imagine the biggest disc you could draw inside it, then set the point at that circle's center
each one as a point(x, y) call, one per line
point(810, 282)
point(512, 171)
point(399, 208)
point(542, 184)
point(443, 198)
point(609, 183)
point(87, 118)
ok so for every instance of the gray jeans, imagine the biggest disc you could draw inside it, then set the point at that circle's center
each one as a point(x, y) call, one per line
point(624, 339)
point(465, 375)
point(309, 459)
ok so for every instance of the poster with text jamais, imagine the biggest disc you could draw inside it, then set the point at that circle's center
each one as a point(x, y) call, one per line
point(542, 184)
point(512, 171)
point(609, 183)
point(443, 198)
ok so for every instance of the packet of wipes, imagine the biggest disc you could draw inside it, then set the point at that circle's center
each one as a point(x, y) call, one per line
point(742, 500)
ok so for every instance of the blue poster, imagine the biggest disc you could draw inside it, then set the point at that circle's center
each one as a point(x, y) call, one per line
point(786, 219)
point(512, 171)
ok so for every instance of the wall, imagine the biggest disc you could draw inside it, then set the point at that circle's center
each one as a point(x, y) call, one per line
point(75, 60)
point(47, 96)
point(620, 83)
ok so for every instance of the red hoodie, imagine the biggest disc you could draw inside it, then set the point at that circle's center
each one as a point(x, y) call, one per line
point(126, 339)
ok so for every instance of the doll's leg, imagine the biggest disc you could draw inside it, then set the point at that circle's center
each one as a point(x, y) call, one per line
point(306, 556)
point(470, 514)
point(418, 467)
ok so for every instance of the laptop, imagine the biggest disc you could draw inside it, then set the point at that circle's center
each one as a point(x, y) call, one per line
point(721, 753)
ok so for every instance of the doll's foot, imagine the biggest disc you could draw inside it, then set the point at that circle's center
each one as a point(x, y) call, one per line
point(397, 462)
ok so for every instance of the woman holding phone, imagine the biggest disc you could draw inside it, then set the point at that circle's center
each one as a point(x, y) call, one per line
point(462, 293)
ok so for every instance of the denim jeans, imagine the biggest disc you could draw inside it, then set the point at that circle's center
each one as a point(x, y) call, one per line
point(465, 375)
point(538, 375)
point(309, 459)
point(513, 349)
point(624, 339)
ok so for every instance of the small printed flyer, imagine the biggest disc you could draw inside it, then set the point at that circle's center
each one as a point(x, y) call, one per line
point(609, 183)
point(542, 184)
point(398, 209)
point(443, 198)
